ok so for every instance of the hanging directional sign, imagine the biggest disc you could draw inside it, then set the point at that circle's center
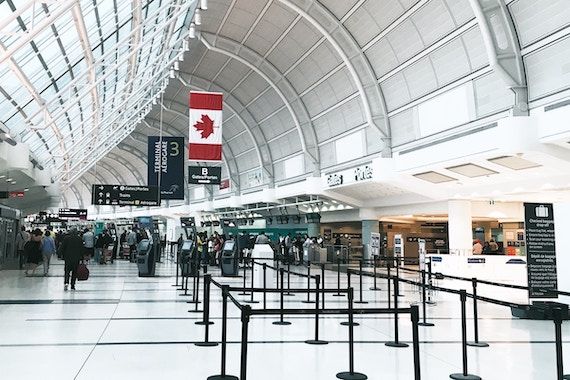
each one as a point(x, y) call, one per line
point(73, 213)
point(124, 195)
point(204, 175)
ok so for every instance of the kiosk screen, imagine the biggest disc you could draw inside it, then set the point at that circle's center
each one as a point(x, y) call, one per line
point(229, 245)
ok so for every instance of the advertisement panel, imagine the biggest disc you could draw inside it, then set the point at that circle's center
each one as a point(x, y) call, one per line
point(166, 165)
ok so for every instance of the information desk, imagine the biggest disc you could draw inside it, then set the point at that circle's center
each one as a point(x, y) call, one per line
point(262, 251)
point(511, 269)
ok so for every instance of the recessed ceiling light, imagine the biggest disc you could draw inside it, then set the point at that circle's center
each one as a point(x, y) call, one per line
point(8, 179)
point(471, 170)
point(434, 177)
point(26, 189)
point(513, 162)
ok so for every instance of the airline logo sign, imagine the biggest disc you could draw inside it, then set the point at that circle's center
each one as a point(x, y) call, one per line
point(205, 134)
point(346, 177)
point(124, 195)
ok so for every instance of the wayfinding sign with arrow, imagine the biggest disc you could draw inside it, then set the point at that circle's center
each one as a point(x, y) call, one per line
point(124, 195)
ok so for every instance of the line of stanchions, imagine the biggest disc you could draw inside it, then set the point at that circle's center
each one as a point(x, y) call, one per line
point(247, 311)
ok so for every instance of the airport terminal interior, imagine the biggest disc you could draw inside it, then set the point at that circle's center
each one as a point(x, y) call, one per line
point(285, 189)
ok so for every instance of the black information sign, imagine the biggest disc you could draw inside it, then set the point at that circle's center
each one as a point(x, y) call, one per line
point(204, 175)
point(166, 159)
point(73, 213)
point(540, 250)
point(124, 195)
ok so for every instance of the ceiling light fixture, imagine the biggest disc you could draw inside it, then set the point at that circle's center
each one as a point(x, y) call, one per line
point(171, 74)
point(204, 4)
point(198, 17)
point(176, 65)
point(192, 30)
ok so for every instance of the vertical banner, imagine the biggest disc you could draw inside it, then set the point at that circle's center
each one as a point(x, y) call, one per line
point(205, 135)
point(540, 250)
point(167, 159)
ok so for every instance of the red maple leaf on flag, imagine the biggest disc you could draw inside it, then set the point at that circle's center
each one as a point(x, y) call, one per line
point(205, 126)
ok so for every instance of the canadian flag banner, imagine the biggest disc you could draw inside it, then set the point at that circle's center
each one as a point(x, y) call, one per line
point(205, 137)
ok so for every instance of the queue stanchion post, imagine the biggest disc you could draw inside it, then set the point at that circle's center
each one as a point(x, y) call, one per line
point(557, 318)
point(389, 290)
point(361, 287)
point(396, 343)
point(415, 317)
point(323, 284)
point(465, 375)
point(398, 276)
point(424, 322)
point(223, 375)
point(264, 285)
point(316, 340)
point(244, 293)
point(338, 293)
point(245, 317)
point(177, 269)
point(349, 323)
point(252, 261)
point(476, 342)
point(308, 283)
point(351, 374)
point(206, 299)
point(375, 264)
point(430, 283)
point(289, 281)
point(281, 322)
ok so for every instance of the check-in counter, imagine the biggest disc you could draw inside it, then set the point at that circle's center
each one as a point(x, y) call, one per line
point(509, 269)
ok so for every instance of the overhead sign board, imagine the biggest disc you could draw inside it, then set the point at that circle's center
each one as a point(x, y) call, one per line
point(349, 176)
point(540, 250)
point(124, 195)
point(11, 194)
point(73, 213)
point(204, 175)
point(166, 165)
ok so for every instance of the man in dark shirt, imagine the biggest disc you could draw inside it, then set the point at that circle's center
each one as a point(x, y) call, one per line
point(72, 251)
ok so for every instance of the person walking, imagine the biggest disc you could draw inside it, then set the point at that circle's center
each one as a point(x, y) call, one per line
point(48, 249)
point(99, 242)
point(21, 240)
point(33, 251)
point(72, 250)
point(89, 243)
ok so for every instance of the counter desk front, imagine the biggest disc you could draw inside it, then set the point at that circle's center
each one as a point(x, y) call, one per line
point(506, 269)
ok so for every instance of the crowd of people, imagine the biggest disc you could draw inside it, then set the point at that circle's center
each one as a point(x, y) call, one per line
point(487, 248)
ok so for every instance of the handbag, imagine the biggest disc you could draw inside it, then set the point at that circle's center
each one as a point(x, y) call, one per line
point(82, 272)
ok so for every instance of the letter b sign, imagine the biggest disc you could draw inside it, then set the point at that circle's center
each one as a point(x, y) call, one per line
point(204, 171)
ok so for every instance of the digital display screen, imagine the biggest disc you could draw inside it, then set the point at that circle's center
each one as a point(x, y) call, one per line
point(229, 245)
point(143, 245)
point(187, 245)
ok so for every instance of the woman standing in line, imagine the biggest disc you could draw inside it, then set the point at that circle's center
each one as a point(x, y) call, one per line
point(33, 251)
point(48, 249)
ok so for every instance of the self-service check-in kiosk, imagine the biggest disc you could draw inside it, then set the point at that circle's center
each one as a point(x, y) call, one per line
point(188, 258)
point(145, 258)
point(230, 258)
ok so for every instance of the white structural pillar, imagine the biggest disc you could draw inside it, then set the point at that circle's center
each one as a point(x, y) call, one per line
point(561, 228)
point(460, 228)
point(370, 224)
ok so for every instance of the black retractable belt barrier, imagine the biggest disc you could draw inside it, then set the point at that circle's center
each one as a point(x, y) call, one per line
point(264, 285)
point(317, 340)
point(396, 343)
point(206, 298)
point(244, 293)
point(557, 317)
point(465, 375)
point(424, 323)
point(252, 261)
point(338, 294)
point(289, 281)
point(323, 283)
point(415, 317)
point(177, 269)
point(223, 376)
point(206, 318)
point(389, 290)
point(245, 316)
point(281, 322)
point(196, 299)
point(349, 323)
point(308, 283)
point(351, 375)
point(375, 263)
point(476, 342)
point(398, 276)
point(361, 301)
point(430, 282)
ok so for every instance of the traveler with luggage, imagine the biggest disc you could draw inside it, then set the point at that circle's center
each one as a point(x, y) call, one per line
point(33, 252)
point(72, 250)
point(21, 240)
point(48, 249)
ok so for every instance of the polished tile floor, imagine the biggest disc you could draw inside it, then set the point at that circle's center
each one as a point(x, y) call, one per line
point(119, 326)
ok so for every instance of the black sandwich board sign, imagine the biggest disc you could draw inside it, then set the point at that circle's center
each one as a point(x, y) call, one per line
point(72, 213)
point(124, 195)
point(204, 175)
point(540, 250)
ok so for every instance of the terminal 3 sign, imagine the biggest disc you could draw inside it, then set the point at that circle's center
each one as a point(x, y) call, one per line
point(349, 176)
